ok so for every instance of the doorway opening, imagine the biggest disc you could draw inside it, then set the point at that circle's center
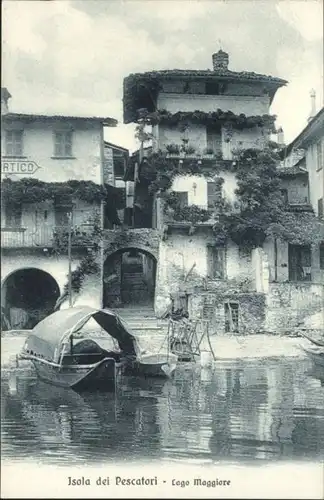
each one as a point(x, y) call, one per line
point(129, 278)
point(28, 296)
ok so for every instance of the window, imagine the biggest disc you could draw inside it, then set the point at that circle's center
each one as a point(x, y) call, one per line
point(119, 167)
point(216, 262)
point(321, 255)
point(13, 215)
point(182, 197)
point(320, 208)
point(63, 210)
point(319, 154)
point(214, 139)
point(299, 257)
point(231, 310)
point(63, 144)
point(214, 194)
point(14, 143)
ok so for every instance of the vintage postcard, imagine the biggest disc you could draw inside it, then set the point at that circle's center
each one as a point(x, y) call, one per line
point(162, 249)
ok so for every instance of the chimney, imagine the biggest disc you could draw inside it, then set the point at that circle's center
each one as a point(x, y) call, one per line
point(5, 96)
point(220, 61)
point(280, 136)
point(313, 104)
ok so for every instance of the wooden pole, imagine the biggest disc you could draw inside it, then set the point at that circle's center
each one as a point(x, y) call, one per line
point(70, 258)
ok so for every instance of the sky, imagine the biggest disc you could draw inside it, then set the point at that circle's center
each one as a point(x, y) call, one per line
point(71, 56)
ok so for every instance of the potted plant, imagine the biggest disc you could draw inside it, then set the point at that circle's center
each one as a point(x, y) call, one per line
point(173, 149)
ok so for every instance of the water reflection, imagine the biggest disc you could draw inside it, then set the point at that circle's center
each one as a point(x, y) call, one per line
point(236, 412)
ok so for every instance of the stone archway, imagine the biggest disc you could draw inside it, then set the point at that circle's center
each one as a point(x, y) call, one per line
point(27, 296)
point(129, 278)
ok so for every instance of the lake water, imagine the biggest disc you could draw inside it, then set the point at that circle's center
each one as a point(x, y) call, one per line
point(240, 411)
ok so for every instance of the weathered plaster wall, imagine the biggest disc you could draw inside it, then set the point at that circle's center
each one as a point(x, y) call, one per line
point(180, 253)
point(196, 187)
point(174, 102)
point(316, 176)
point(38, 145)
point(197, 137)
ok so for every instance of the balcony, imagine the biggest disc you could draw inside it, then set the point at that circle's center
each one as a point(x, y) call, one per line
point(44, 236)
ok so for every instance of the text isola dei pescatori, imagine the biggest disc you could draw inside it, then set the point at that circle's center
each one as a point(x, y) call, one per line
point(146, 481)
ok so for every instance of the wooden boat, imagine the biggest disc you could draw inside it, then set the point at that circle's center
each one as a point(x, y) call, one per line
point(65, 355)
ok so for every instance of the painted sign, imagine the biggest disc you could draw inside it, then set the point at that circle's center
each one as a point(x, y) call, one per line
point(25, 167)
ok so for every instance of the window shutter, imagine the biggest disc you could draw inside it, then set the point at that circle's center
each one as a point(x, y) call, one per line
point(213, 194)
point(214, 139)
point(320, 208)
point(216, 262)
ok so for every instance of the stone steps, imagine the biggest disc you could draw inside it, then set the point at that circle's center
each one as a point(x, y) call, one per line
point(142, 318)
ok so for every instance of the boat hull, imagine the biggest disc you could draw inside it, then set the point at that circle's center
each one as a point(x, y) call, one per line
point(99, 376)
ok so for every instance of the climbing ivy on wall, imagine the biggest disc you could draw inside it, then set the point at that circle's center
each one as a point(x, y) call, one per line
point(35, 191)
point(219, 117)
point(260, 210)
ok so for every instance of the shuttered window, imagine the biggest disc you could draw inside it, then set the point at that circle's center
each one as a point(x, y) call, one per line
point(14, 143)
point(214, 139)
point(63, 143)
point(214, 194)
point(13, 215)
point(216, 262)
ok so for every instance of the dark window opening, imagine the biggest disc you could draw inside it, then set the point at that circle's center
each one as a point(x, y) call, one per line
point(119, 167)
point(299, 257)
point(212, 88)
point(231, 310)
point(63, 143)
point(214, 139)
point(216, 262)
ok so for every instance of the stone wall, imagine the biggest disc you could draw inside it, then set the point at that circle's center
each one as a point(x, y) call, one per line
point(210, 305)
point(146, 240)
point(289, 304)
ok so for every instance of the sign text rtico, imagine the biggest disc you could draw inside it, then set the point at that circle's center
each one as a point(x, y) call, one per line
point(27, 167)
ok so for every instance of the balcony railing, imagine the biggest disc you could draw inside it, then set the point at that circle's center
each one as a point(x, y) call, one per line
point(43, 236)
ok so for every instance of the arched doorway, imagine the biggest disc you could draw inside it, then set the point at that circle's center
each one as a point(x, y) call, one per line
point(28, 295)
point(129, 278)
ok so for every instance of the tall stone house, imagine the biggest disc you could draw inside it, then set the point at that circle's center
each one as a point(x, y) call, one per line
point(53, 169)
point(169, 253)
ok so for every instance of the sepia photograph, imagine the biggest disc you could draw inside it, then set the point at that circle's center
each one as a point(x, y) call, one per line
point(162, 249)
